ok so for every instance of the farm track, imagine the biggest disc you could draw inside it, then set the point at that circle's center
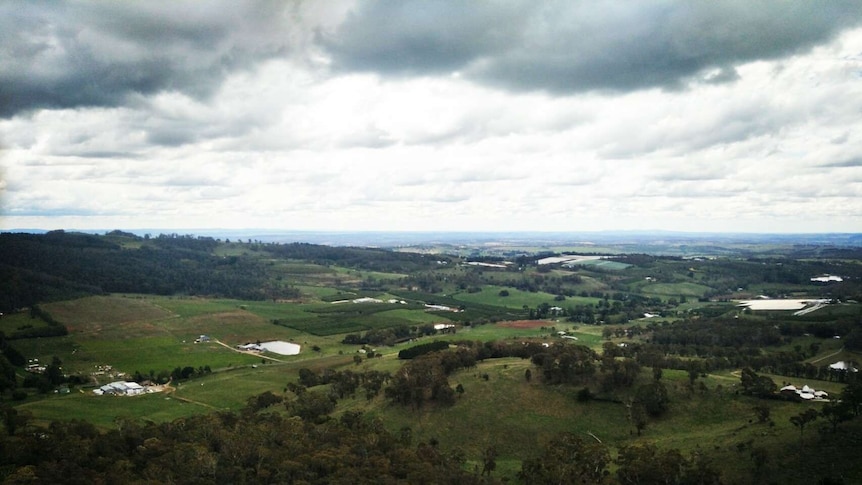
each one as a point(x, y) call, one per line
point(833, 354)
point(171, 391)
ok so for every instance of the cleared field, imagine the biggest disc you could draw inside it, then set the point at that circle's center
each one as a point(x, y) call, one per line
point(490, 295)
point(16, 322)
point(674, 289)
point(189, 307)
point(231, 389)
point(601, 264)
point(107, 316)
point(103, 411)
point(317, 292)
point(164, 353)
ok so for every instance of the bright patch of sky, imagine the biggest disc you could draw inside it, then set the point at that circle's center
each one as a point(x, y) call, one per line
point(439, 116)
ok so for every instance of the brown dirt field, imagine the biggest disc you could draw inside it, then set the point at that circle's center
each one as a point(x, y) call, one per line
point(525, 324)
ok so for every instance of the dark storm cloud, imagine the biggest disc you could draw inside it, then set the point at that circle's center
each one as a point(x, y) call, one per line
point(570, 46)
point(65, 55)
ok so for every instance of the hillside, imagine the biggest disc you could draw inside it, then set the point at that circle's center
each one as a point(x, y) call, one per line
point(535, 350)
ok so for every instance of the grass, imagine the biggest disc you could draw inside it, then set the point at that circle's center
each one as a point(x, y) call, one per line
point(490, 295)
point(157, 354)
point(103, 411)
point(602, 264)
point(107, 316)
point(9, 324)
point(516, 416)
point(686, 289)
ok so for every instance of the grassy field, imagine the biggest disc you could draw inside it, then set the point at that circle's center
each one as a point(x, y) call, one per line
point(526, 415)
point(103, 411)
point(516, 416)
point(686, 289)
point(9, 324)
point(602, 264)
point(490, 295)
point(108, 317)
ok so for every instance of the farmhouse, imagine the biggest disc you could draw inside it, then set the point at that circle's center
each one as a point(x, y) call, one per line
point(806, 393)
point(250, 347)
point(120, 388)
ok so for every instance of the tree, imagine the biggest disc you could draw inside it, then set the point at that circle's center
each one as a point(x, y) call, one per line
point(653, 397)
point(54, 372)
point(836, 413)
point(644, 463)
point(760, 457)
point(801, 420)
point(567, 458)
point(762, 412)
point(638, 416)
point(308, 377)
point(489, 460)
point(311, 406)
point(756, 385)
point(852, 395)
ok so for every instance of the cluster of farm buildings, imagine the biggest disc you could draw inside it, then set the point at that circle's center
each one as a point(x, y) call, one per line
point(807, 393)
point(122, 388)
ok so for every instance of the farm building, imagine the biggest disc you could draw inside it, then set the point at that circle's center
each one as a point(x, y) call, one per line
point(782, 304)
point(120, 388)
point(826, 278)
point(843, 366)
point(281, 348)
point(276, 347)
point(805, 393)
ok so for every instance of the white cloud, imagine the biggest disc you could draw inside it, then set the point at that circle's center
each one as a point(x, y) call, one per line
point(292, 142)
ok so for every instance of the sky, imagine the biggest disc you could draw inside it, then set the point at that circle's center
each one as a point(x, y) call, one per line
point(403, 115)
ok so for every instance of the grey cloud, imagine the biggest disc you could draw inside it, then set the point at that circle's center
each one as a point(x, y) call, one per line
point(567, 47)
point(421, 37)
point(850, 162)
point(61, 55)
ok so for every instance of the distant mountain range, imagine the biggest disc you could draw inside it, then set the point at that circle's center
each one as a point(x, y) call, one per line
point(391, 239)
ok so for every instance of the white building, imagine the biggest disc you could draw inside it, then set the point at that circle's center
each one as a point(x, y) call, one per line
point(120, 388)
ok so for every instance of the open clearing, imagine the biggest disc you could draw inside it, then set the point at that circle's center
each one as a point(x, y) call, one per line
point(121, 317)
point(524, 324)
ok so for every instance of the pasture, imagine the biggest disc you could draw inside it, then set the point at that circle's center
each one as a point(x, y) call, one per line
point(104, 411)
point(517, 299)
point(16, 322)
point(686, 289)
